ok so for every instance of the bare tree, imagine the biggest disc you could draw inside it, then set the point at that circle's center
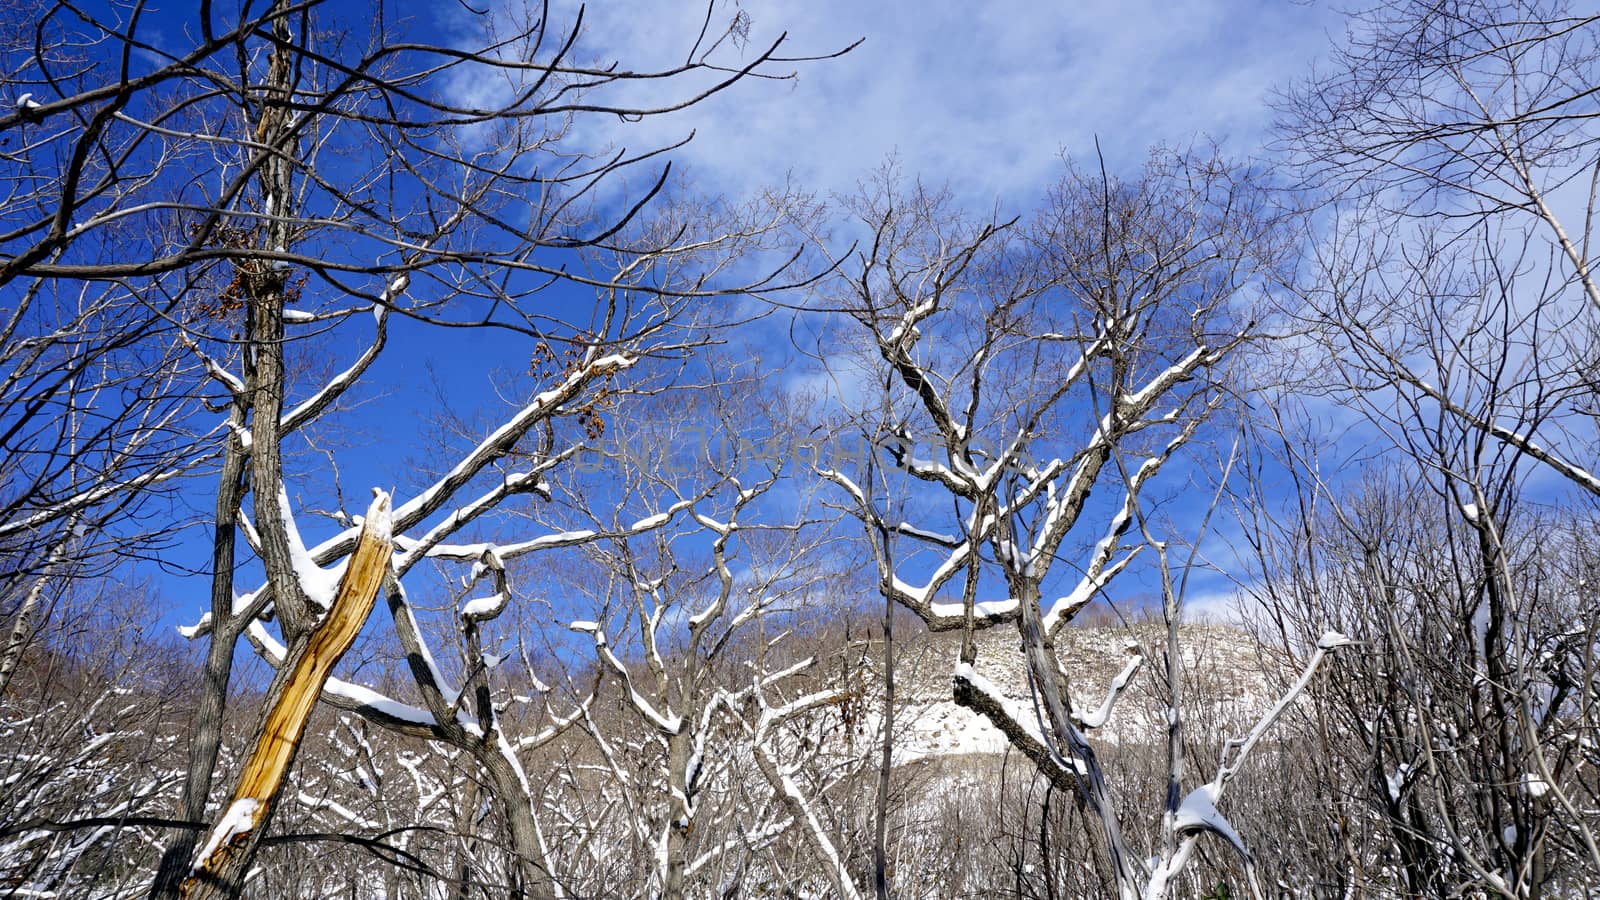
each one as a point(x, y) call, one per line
point(1459, 140)
point(1028, 373)
point(333, 168)
point(689, 620)
point(1452, 741)
point(90, 749)
point(1452, 306)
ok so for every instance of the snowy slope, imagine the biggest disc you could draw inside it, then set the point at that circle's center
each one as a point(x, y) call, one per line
point(1224, 684)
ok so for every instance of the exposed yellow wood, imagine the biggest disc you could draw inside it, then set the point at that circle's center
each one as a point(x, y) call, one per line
point(298, 684)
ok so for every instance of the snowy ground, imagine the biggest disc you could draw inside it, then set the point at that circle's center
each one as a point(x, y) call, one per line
point(1225, 682)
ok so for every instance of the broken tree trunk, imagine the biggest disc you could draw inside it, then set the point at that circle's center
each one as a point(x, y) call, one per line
point(221, 866)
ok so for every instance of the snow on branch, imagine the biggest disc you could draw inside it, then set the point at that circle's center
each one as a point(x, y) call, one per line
point(241, 818)
point(1018, 724)
point(668, 723)
point(347, 696)
point(213, 368)
point(104, 489)
point(1523, 442)
point(548, 541)
point(1198, 814)
point(1235, 751)
point(316, 403)
point(504, 438)
point(515, 483)
point(318, 584)
point(485, 608)
point(1099, 717)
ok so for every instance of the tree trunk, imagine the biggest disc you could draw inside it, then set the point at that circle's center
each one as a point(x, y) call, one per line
point(530, 874)
point(220, 870)
point(827, 855)
point(22, 622)
point(676, 831)
point(1045, 673)
point(467, 828)
point(880, 849)
point(206, 736)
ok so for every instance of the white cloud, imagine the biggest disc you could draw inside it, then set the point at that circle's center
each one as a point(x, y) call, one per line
point(985, 95)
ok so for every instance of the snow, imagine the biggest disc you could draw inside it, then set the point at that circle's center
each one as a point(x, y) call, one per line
point(503, 551)
point(297, 315)
point(1397, 782)
point(1011, 556)
point(485, 607)
point(271, 646)
point(921, 595)
point(428, 661)
point(1585, 477)
point(844, 481)
point(722, 528)
point(696, 758)
point(26, 101)
point(981, 609)
point(86, 498)
point(938, 471)
point(1024, 718)
point(503, 437)
point(909, 321)
point(918, 595)
point(371, 699)
point(797, 801)
point(548, 540)
point(319, 584)
point(1199, 812)
point(239, 819)
point(938, 537)
point(274, 651)
point(378, 515)
point(651, 522)
point(1332, 640)
point(612, 363)
point(1099, 717)
point(670, 723)
point(1139, 399)
point(700, 618)
point(1534, 785)
point(339, 809)
point(190, 632)
point(1091, 584)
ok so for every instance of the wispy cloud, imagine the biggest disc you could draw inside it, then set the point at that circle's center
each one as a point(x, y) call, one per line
point(984, 95)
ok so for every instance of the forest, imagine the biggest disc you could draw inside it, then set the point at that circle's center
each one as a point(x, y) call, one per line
point(422, 476)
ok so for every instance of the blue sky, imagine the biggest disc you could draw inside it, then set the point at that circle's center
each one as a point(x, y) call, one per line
point(985, 95)
point(986, 98)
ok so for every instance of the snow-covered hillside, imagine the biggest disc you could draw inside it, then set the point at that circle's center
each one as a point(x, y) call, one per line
point(1223, 670)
